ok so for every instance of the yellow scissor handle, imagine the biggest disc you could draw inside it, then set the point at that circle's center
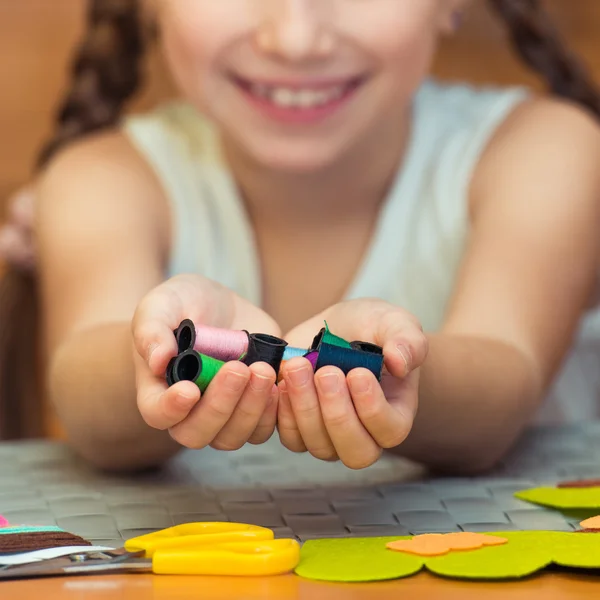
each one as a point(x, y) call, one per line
point(259, 558)
point(193, 535)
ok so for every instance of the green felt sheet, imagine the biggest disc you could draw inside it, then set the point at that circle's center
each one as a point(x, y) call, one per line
point(527, 552)
point(356, 560)
point(562, 498)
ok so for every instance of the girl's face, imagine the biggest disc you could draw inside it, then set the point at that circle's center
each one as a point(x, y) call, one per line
point(296, 83)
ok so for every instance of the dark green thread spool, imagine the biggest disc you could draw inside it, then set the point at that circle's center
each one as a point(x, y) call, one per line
point(326, 337)
point(193, 366)
point(347, 359)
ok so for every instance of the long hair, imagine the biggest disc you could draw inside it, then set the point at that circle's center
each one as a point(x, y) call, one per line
point(106, 73)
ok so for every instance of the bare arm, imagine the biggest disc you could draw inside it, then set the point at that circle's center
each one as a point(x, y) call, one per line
point(102, 246)
point(528, 275)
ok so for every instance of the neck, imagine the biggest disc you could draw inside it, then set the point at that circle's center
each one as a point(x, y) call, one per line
point(358, 182)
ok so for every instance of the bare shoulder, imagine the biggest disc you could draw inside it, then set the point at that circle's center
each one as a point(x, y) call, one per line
point(545, 144)
point(102, 179)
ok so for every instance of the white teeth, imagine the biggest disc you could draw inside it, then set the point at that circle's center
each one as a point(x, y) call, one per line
point(305, 98)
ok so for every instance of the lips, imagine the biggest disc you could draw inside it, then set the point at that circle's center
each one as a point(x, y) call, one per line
point(301, 98)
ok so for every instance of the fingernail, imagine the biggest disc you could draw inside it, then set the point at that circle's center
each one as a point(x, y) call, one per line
point(185, 402)
point(329, 383)
point(236, 382)
point(360, 385)
point(405, 353)
point(299, 377)
point(260, 383)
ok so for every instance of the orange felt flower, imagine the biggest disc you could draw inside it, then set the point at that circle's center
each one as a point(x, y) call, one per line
point(438, 544)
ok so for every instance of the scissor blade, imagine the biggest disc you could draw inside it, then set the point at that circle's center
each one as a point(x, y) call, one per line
point(122, 563)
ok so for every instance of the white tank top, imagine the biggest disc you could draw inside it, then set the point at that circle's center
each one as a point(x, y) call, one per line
point(421, 232)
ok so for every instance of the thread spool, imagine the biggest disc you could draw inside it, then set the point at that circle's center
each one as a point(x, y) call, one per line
point(170, 378)
point(291, 352)
point(326, 337)
point(265, 348)
point(366, 347)
point(216, 342)
point(347, 359)
point(193, 366)
point(312, 357)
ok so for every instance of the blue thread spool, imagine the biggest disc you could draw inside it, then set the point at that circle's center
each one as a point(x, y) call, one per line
point(265, 348)
point(291, 352)
point(347, 359)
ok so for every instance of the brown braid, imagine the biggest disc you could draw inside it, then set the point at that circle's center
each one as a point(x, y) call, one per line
point(106, 73)
point(540, 45)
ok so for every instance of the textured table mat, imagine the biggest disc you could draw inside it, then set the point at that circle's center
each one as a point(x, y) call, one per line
point(42, 483)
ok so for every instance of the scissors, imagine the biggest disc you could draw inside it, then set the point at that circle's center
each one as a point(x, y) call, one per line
point(190, 549)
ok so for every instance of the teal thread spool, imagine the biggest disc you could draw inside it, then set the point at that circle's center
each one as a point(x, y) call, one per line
point(326, 337)
point(291, 352)
point(347, 359)
point(193, 366)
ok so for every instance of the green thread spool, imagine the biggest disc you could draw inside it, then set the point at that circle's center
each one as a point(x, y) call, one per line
point(193, 366)
point(326, 337)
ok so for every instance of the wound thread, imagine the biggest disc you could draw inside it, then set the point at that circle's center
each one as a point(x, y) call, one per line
point(3, 522)
point(347, 359)
point(312, 358)
point(326, 337)
point(265, 348)
point(198, 368)
point(291, 352)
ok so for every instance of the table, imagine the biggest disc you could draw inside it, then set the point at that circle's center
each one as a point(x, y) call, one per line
point(43, 482)
point(422, 587)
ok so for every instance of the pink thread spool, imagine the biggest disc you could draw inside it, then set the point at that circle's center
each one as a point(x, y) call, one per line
point(222, 344)
point(3, 522)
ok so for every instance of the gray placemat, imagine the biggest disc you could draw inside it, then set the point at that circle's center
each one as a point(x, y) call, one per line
point(43, 483)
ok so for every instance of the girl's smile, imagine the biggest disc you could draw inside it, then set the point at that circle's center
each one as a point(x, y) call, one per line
point(304, 102)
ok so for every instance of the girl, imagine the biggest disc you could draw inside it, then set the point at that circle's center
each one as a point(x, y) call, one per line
point(312, 170)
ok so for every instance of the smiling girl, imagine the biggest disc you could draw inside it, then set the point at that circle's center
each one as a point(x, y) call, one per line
point(313, 170)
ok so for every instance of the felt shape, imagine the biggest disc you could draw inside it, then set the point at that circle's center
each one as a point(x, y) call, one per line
point(527, 552)
point(437, 544)
point(580, 483)
point(3, 522)
point(355, 560)
point(593, 523)
point(562, 498)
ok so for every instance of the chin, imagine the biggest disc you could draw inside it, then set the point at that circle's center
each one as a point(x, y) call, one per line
point(292, 156)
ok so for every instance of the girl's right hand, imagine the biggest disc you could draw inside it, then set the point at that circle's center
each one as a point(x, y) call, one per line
point(240, 405)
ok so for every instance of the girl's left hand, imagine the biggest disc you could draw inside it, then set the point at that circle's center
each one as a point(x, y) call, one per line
point(352, 418)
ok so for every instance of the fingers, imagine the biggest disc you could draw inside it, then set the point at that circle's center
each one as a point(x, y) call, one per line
point(249, 410)
point(353, 443)
point(162, 407)
point(301, 391)
point(388, 420)
point(152, 330)
point(289, 434)
point(268, 422)
point(215, 408)
point(405, 346)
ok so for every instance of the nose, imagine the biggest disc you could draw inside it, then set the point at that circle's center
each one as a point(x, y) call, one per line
point(296, 30)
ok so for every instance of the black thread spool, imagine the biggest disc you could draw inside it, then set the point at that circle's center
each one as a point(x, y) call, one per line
point(367, 347)
point(265, 348)
point(171, 372)
point(317, 340)
point(347, 359)
point(185, 335)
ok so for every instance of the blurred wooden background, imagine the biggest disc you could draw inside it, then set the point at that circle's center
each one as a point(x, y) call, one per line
point(38, 36)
